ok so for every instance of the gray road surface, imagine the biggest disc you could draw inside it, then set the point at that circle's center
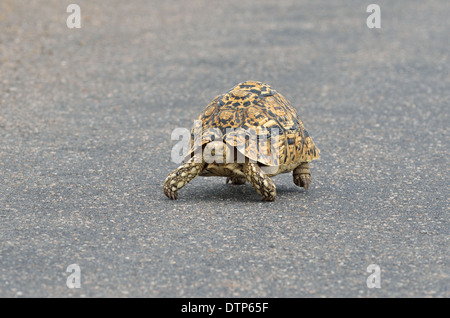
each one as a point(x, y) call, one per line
point(85, 122)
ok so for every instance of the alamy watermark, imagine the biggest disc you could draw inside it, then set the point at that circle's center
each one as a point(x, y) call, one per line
point(74, 279)
point(214, 146)
point(374, 279)
point(74, 19)
point(374, 19)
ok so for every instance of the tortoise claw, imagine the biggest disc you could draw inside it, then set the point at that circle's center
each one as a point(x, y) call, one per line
point(173, 195)
point(305, 182)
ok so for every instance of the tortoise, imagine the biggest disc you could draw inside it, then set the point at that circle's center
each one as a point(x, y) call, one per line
point(226, 127)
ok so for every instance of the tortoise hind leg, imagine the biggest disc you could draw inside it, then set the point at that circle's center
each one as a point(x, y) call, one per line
point(236, 180)
point(302, 175)
point(260, 181)
point(180, 177)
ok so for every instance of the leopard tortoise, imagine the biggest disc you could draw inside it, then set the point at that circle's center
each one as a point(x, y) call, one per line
point(225, 130)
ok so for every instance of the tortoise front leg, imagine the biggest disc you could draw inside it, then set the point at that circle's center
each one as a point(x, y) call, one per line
point(260, 181)
point(180, 177)
point(302, 175)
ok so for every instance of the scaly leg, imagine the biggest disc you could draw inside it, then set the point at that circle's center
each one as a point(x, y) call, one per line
point(260, 181)
point(180, 177)
point(236, 180)
point(302, 175)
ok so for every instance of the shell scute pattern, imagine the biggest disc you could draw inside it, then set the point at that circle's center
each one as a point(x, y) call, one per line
point(254, 105)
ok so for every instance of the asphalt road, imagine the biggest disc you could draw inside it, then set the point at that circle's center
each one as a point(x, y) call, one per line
point(86, 117)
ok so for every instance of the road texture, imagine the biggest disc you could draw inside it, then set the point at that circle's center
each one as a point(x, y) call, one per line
point(86, 117)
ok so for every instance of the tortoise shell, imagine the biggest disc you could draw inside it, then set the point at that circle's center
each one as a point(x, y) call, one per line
point(255, 107)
